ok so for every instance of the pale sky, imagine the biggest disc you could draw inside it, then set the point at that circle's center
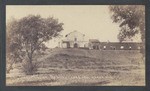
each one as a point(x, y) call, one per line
point(92, 20)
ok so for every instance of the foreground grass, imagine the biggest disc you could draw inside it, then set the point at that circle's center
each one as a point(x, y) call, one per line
point(73, 67)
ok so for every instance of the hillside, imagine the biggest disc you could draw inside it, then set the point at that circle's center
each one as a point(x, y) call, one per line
point(82, 67)
point(90, 59)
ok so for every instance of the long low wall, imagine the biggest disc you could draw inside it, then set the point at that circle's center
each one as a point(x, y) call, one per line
point(103, 45)
point(116, 46)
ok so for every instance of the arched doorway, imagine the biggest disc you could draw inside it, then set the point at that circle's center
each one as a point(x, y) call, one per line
point(75, 45)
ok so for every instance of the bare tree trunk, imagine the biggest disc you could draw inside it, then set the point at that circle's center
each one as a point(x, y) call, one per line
point(30, 64)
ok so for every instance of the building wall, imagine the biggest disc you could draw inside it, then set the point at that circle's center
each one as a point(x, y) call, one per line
point(74, 38)
point(94, 45)
point(64, 45)
point(77, 38)
point(120, 46)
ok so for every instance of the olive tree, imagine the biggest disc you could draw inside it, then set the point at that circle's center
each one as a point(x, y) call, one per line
point(27, 35)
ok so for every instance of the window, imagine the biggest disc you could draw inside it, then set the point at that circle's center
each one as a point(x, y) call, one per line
point(122, 47)
point(139, 47)
point(104, 47)
point(130, 47)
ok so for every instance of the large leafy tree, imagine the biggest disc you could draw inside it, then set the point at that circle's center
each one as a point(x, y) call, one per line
point(26, 36)
point(131, 19)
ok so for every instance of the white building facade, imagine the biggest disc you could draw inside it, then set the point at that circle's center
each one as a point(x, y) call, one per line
point(74, 39)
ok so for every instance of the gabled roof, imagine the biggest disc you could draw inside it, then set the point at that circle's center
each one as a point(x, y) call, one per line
point(73, 32)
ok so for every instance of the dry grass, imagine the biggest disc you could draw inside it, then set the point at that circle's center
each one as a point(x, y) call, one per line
point(74, 67)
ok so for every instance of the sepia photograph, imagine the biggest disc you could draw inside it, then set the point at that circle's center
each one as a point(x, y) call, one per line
point(75, 45)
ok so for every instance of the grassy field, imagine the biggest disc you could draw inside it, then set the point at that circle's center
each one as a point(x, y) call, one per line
point(81, 67)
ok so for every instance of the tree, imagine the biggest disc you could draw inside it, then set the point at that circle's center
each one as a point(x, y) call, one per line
point(27, 36)
point(131, 19)
point(13, 47)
